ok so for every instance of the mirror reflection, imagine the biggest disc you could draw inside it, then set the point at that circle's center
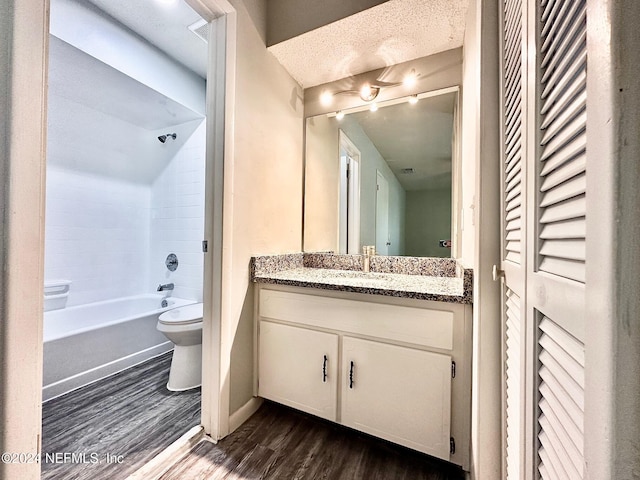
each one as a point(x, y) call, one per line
point(382, 177)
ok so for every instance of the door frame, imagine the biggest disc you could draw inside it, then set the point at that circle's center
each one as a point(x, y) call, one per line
point(353, 193)
point(24, 26)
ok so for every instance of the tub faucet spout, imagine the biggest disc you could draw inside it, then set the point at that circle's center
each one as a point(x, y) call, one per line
point(166, 286)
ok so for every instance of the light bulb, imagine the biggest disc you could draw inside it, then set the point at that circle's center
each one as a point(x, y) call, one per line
point(413, 99)
point(369, 93)
point(340, 115)
point(326, 98)
point(374, 107)
point(410, 79)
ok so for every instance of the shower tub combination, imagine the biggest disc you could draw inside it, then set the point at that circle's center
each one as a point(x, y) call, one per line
point(88, 342)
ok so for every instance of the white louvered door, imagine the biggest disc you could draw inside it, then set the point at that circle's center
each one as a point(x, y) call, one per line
point(513, 195)
point(544, 217)
point(558, 255)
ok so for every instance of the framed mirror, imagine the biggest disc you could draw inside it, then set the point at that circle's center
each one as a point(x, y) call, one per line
point(387, 177)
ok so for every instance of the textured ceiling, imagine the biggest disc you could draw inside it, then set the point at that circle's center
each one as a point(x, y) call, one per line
point(163, 25)
point(393, 32)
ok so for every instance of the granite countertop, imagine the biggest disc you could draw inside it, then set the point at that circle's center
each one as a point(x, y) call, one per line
point(293, 271)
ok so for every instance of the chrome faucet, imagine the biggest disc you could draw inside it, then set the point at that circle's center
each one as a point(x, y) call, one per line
point(368, 251)
point(166, 286)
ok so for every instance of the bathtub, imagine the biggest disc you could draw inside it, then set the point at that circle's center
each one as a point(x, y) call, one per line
point(87, 342)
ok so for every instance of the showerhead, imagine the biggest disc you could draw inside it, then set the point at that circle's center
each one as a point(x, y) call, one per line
point(163, 138)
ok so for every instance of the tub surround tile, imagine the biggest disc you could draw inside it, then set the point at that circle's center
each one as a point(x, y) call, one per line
point(435, 279)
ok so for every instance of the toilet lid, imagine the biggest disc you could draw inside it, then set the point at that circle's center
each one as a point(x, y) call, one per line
point(182, 315)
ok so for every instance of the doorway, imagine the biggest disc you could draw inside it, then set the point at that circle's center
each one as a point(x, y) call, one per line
point(126, 171)
point(349, 223)
point(383, 238)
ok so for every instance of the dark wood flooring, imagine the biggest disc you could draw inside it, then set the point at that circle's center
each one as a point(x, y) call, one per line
point(130, 414)
point(279, 443)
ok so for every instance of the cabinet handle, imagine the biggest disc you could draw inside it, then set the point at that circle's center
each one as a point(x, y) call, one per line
point(351, 376)
point(324, 369)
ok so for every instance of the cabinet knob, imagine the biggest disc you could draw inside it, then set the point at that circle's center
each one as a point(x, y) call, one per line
point(351, 376)
point(324, 369)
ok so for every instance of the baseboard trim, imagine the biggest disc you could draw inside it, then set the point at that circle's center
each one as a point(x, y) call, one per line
point(171, 455)
point(241, 415)
point(81, 379)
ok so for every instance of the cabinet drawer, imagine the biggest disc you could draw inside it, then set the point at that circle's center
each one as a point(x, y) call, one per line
point(425, 327)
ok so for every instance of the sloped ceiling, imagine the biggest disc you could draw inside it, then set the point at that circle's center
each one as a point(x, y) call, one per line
point(392, 32)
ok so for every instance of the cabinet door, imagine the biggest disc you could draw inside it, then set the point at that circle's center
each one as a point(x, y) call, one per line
point(398, 393)
point(299, 368)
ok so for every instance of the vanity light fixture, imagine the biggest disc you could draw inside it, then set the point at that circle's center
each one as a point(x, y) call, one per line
point(339, 115)
point(369, 91)
point(413, 99)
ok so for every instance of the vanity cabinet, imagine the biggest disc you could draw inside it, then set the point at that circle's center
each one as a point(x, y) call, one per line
point(397, 393)
point(395, 368)
point(298, 368)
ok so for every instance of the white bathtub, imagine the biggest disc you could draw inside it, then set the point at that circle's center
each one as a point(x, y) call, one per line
point(85, 343)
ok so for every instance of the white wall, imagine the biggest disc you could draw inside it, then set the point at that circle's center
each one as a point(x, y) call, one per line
point(86, 28)
point(177, 215)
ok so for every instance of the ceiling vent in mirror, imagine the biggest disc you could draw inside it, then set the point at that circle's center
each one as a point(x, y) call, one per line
point(201, 29)
point(407, 171)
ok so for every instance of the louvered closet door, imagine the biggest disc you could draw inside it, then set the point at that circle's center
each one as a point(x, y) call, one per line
point(514, 190)
point(557, 257)
point(543, 222)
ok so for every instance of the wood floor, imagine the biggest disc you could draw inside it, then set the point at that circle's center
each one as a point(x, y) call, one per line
point(282, 444)
point(130, 414)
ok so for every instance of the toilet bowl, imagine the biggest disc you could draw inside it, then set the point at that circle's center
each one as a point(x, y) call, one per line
point(183, 326)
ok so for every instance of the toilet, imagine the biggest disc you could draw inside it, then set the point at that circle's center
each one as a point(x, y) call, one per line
point(183, 326)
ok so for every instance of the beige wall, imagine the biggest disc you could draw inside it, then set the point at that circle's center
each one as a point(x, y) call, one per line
point(290, 18)
point(263, 187)
point(23, 36)
point(322, 177)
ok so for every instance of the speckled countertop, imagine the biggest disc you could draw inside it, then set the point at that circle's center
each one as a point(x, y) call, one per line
point(300, 270)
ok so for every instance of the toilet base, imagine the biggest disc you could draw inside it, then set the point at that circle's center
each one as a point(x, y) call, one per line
point(186, 368)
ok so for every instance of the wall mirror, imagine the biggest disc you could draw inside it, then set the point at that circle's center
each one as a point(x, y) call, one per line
point(387, 177)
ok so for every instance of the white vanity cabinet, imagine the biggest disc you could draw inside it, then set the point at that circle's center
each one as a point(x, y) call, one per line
point(298, 368)
point(397, 393)
point(395, 368)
